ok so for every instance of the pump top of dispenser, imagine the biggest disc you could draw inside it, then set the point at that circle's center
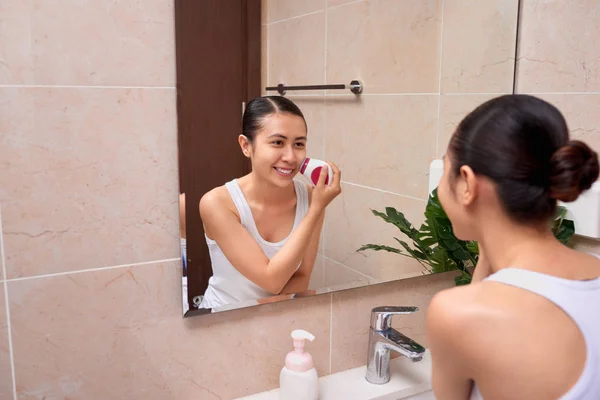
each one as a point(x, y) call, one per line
point(298, 360)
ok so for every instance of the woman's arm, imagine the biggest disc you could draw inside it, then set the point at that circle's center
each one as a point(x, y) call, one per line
point(245, 253)
point(301, 278)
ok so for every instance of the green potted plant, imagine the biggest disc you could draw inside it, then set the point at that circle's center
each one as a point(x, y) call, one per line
point(436, 248)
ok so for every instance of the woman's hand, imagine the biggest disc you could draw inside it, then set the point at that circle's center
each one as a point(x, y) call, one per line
point(323, 194)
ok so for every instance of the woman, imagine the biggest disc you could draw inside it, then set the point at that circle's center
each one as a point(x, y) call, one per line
point(263, 229)
point(528, 327)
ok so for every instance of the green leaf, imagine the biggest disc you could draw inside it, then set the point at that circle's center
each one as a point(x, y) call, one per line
point(413, 252)
point(462, 279)
point(451, 244)
point(473, 247)
point(377, 247)
point(462, 255)
point(565, 231)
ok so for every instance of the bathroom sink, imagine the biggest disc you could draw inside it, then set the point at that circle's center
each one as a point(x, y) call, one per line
point(409, 381)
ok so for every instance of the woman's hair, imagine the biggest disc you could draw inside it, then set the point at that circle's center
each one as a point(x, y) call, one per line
point(522, 144)
point(261, 107)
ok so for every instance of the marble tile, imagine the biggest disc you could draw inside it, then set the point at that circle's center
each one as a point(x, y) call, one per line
point(386, 142)
point(392, 46)
point(316, 278)
point(352, 311)
point(582, 113)
point(558, 49)
point(337, 275)
point(88, 178)
point(337, 3)
point(351, 224)
point(133, 43)
point(453, 109)
point(6, 386)
point(479, 41)
point(125, 327)
point(297, 51)
point(16, 38)
point(278, 10)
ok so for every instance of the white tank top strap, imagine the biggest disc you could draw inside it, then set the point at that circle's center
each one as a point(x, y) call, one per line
point(301, 201)
point(241, 205)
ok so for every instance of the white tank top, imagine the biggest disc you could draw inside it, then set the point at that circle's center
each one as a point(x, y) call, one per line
point(578, 299)
point(227, 285)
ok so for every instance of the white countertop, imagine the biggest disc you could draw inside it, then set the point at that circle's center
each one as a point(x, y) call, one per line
point(407, 379)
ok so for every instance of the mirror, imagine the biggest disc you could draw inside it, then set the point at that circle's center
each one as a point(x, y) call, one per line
point(422, 65)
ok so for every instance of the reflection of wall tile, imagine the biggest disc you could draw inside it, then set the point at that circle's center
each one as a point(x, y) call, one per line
point(337, 3)
point(453, 109)
point(6, 388)
point(385, 142)
point(392, 46)
point(297, 51)
point(318, 274)
point(284, 9)
point(134, 314)
point(351, 224)
point(352, 311)
point(479, 46)
point(132, 43)
point(558, 49)
point(337, 274)
point(90, 178)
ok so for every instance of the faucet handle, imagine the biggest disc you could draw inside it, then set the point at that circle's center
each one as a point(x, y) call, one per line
point(381, 317)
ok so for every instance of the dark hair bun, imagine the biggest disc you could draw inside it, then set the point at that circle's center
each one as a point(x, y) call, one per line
point(574, 169)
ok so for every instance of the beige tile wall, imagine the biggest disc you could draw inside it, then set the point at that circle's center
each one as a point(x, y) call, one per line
point(559, 61)
point(90, 288)
point(424, 64)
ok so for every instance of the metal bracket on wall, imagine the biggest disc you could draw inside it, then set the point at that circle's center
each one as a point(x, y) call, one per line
point(355, 87)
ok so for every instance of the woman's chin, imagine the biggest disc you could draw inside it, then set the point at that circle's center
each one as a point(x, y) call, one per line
point(282, 180)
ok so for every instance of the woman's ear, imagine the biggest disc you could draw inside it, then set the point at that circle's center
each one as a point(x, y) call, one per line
point(245, 145)
point(469, 188)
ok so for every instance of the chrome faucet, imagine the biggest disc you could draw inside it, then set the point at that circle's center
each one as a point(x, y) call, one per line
point(383, 339)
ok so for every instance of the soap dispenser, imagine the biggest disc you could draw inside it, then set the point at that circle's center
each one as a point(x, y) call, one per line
point(298, 379)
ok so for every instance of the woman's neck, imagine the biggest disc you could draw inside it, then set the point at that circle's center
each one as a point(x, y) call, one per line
point(507, 244)
point(264, 192)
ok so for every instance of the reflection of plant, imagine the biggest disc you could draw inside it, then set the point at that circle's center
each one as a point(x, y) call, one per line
point(437, 249)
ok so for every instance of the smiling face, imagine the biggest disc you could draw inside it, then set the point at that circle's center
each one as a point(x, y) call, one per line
point(278, 148)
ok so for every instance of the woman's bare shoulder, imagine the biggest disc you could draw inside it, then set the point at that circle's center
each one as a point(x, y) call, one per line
point(459, 317)
point(215, 200)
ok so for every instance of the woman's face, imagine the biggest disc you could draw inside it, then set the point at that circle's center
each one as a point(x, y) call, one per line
point(279, 148)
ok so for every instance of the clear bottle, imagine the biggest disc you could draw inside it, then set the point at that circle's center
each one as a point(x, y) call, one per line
point(298, 379)
point(311, 168)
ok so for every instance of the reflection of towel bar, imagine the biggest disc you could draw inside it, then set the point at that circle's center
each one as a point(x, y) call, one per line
point(354, 86)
